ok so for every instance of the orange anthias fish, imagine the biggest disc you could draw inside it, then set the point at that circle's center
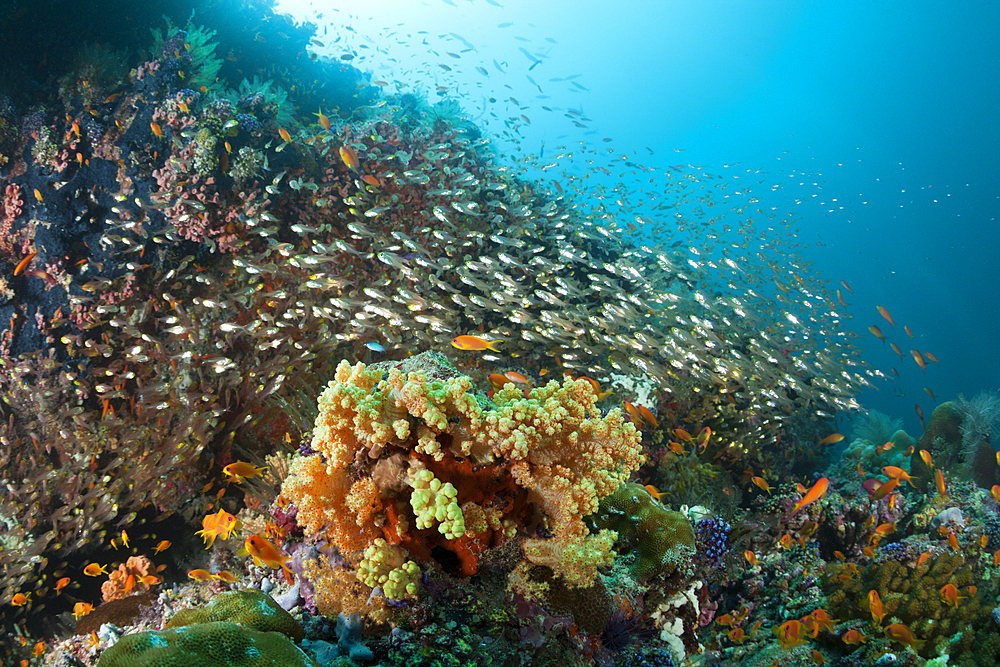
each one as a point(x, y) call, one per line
point(323, 120)
point(371, 180)
point(853, 638)
point(897, 473)
point(81, 609)
point(62, 583)
point(474, 343)
point(213, 525)
point(24, 262)
point(265, 553)
point(349, 157)
point(877, 333)
point(791, 634)
point(917, 357)
point(283, 133)
point(498, 380)
point(939, 482)
point(895, 348)
point(762, 484)
point(875, 606)
point(653, 491)
point(931, 357)
point(925, 456)
point(201, 575)
point(95, 570)
point(886, 529)
point(898, 632)
point(906, 328)
point(514, 376)
point(240, 471)
point(647, 415)
point(157, 130)
point(831, 439)
point(820, 620)
point(950, 596)
point(164, 544)
point(751, 557)
point(704, 435)
point(885, 489)
point(885, 314)
point(736, 635)
point(817, 491)
point(923, 424)
point(19, 599)
point(632, 412)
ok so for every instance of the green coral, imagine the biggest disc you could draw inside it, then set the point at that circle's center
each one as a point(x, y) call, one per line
point(249, 608)
point(943, 439)
point(205, 66)
point(912, 596)
point(434, 502)
point(216, 644)
point(205, 159)
point(660, 539)
point(46, 150)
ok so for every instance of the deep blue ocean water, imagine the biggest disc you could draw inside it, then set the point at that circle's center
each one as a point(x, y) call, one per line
point(872, 124)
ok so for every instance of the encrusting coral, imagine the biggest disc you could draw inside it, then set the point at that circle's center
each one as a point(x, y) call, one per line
point(406, 465)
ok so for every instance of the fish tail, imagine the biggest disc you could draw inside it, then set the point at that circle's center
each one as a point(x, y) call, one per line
point(491, 344)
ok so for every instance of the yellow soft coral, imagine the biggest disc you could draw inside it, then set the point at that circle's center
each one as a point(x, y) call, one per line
point(385, 565)
point(433, 502)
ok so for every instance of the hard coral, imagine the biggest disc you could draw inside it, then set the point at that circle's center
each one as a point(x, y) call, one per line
point(215, 644)
point(250, 609)
point(912, 596)
point(659, 538)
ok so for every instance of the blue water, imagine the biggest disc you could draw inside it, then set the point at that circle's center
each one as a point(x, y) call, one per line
point(876, 119)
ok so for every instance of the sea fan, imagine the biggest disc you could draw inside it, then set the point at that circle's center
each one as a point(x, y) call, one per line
point(875, 427)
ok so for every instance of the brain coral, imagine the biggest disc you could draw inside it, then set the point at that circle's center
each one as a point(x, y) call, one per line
point(249, 608)
point(215, 644)
point(414, 458)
